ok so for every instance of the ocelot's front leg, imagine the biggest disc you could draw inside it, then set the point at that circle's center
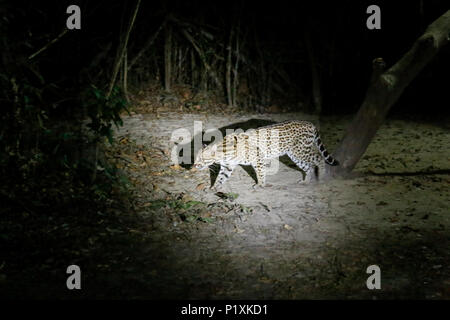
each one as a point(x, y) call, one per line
point(224, 173)
point(311, 175)
point(260, 169)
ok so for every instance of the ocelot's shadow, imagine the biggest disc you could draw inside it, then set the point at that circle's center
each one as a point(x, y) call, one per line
point(214, 169)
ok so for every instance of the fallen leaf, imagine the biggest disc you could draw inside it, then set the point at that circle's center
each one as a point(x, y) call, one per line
point(206, 214)
point(200, 187)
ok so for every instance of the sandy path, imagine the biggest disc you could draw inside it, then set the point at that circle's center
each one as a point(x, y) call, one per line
point(295, 241)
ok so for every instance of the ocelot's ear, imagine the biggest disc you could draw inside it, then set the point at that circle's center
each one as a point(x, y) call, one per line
point(204, 145)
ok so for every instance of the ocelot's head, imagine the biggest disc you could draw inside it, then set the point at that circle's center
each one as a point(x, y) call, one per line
point(207, 156)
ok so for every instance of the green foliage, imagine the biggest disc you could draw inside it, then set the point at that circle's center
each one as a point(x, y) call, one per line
point(24, 120)
point(103, 111)
point(45, 159)
point(195, 217)
point(227, 196)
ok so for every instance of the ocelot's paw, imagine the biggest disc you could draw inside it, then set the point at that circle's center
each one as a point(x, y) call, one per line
point(217, 188)
point(261, 187)
point(307, 181)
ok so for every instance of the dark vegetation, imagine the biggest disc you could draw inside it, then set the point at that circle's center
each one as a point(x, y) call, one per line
point(62, 201)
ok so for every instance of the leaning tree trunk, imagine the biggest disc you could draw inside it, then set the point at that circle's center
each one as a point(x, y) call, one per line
point(384, 90)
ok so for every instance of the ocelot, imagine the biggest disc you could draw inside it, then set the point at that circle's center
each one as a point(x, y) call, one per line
point(299, 140)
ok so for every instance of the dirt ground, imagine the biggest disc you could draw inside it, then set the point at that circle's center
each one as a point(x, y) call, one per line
point(291, 240)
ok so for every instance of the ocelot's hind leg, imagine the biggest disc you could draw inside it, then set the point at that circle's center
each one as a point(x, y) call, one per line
point(311, 176)
point(307, 168)
point(317, 168)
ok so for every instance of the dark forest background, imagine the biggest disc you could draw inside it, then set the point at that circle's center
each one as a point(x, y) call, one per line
point(247, 55)
point(270, 41)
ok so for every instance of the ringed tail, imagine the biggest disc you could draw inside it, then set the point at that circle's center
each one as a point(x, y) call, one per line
point(328, 158)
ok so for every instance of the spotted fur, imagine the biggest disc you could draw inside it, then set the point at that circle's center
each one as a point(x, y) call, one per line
point(300, 140)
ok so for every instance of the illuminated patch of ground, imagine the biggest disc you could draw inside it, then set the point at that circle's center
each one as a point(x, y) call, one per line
point(292, 241)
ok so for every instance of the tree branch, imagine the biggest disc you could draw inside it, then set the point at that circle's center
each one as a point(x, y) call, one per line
point(48, 44)
point(146, 45)
point(122, 50)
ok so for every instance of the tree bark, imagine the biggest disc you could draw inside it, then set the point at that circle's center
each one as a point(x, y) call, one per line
point(193, 68)
point(235, 71)
point(168, 58)
point(228, 68)
point(125, 76)
point(316, 91)
point(384, 90)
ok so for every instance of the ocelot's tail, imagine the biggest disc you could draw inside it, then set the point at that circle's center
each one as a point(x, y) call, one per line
point(328, 159)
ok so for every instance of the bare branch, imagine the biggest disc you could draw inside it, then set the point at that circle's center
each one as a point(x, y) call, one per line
point(202, 57)
point(146, 45)
point(48, 44)
point(122, 50)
